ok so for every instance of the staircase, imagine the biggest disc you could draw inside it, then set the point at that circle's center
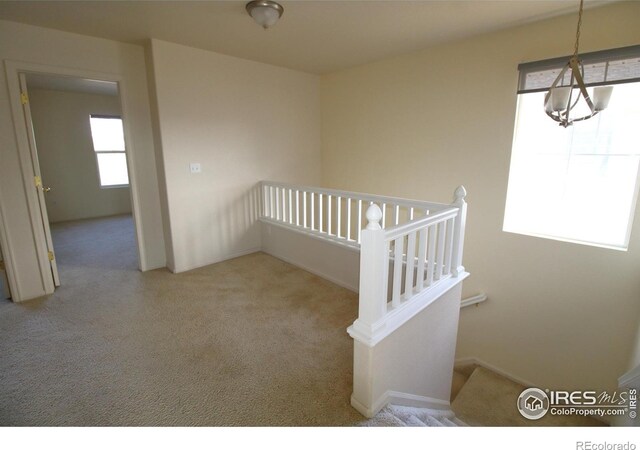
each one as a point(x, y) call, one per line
point(406, 416)
point(481, 397)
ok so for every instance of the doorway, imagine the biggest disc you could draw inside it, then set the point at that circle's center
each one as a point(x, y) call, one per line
point(5, 293)
point(78, 150)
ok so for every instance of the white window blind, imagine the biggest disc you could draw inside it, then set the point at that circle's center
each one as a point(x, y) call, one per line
point(606, 67)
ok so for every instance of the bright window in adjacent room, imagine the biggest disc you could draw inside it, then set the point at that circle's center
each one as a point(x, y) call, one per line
point(580, 183)
point(108, 144)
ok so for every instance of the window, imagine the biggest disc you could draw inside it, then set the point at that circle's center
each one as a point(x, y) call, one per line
point(580, 183)
point(108, 144)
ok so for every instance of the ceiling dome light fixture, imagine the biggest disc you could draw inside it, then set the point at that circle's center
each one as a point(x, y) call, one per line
point(558, 102)
point(265, 12)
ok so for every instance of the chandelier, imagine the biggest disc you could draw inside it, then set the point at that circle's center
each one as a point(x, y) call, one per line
point(561, 100)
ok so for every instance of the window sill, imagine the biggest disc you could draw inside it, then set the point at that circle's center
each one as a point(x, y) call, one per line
point(568, 240)
point(115, 186)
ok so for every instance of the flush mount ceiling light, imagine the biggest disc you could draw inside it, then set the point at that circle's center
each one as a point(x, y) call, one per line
point(559, 101)
point(265, 12)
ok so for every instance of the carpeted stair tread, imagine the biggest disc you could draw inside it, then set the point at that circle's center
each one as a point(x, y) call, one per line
point(385, 418)
point(433, 422)
point(413, 421)
point(447, 423)
point(489, 399)
point(413, 417)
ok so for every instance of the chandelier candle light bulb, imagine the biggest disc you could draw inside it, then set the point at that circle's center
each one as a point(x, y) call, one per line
point(601, 97)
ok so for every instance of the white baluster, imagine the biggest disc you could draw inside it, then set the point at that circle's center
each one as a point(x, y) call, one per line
point(313, 210)
point(290, 206)
point(348, 218)
point(411, 214)
point(431, 254)
point(304, 209)
point(297, 207)
point(422, 255)
point(440, 250)
point(284, 204)
point(384, 215)
point(277, 196)
point(397, 271)
point(408, 276)
point(359, 221)
point(458, 230)
point(320, 228)
point(396, 214)
point(338, 216)
point(448, 250)
point(329, 215)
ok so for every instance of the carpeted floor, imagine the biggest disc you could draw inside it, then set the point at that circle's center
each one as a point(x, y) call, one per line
point(251, 341)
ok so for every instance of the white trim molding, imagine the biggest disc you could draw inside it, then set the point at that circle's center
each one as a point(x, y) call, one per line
point(462, 362)
point(631, 378)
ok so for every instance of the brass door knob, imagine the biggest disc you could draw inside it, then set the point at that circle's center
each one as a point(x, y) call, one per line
point(46, 189)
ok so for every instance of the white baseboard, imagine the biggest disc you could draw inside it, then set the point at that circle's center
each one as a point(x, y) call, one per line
point(216, 261)
point(334, 280)
point(461, 362)
point(631, 378)
point(401, 399)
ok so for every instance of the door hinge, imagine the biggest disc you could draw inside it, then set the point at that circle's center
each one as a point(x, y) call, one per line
point(24, 98)
point(51, 258)
point(38, 181)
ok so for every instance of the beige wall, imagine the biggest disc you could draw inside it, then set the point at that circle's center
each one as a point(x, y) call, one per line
point(559, 314)
point(243, 122)
point(73, 52)
point(67, 160)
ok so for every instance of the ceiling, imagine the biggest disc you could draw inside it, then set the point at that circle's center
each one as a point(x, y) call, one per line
point(313, 36)
point(71, 84)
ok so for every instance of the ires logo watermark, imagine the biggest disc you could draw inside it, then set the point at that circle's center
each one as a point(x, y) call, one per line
point(534, 403)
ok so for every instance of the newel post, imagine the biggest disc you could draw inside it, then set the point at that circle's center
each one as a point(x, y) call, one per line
point(373, 284)
point(458, 230)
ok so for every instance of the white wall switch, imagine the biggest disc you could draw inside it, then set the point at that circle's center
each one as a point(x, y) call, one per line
point(195, 167)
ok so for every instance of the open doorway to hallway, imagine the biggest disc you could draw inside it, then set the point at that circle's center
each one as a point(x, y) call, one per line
point(5, 293)
point(81, 154)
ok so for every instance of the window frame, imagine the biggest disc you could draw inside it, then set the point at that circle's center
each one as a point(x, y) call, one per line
point(524, 70)
point(98, 152)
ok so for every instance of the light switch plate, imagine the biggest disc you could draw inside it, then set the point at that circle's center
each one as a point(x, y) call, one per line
point(195, 167)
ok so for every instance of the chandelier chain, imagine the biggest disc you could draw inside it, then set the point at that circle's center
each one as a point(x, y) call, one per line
point(575, 50)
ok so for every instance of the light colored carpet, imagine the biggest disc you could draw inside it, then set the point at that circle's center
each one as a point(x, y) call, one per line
point(488, 399)
point(251, 341)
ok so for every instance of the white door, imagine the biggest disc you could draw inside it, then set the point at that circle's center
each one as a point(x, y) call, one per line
point(41, 190)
